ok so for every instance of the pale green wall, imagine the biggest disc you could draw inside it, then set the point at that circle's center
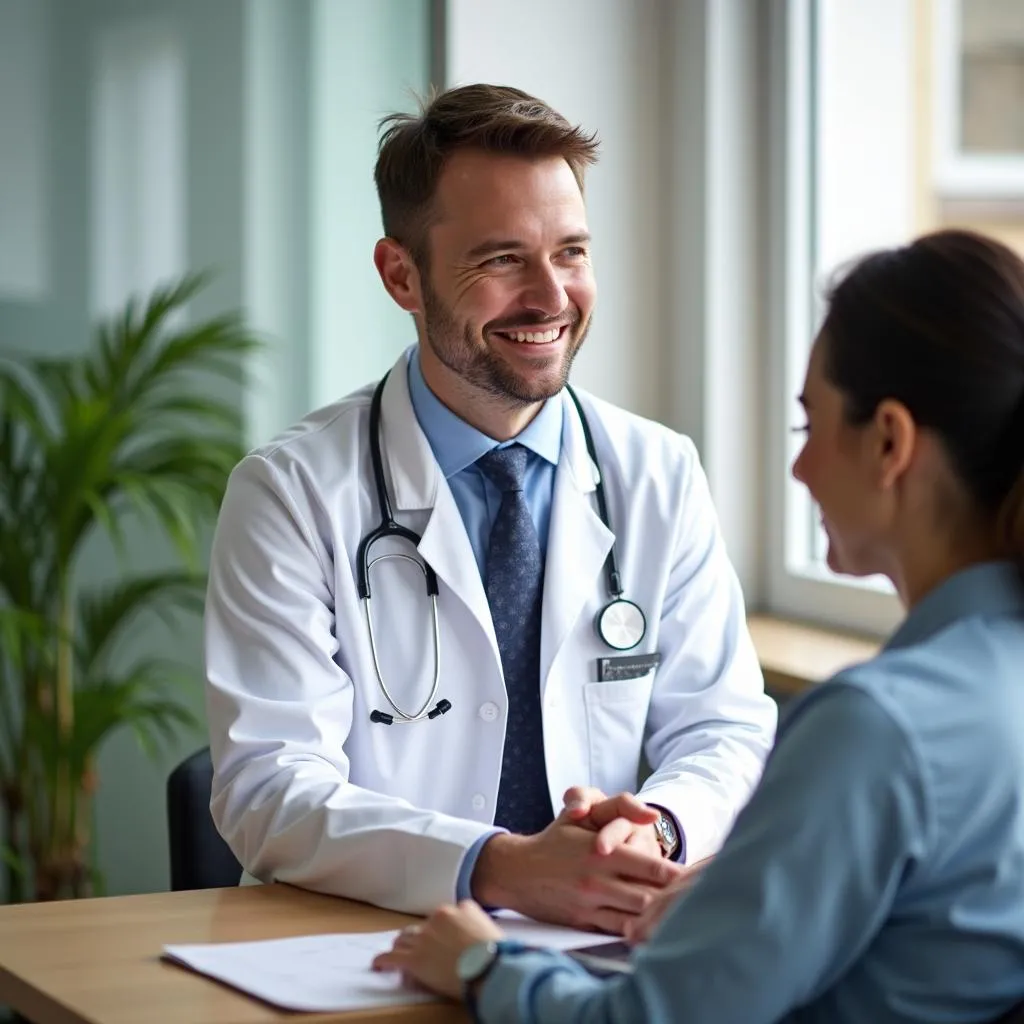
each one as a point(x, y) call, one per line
point(130, 810)
point(363, 69)
point(282, 96)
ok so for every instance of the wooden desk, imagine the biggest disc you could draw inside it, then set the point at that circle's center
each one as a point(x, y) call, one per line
point(794, 657)
point(97, 961)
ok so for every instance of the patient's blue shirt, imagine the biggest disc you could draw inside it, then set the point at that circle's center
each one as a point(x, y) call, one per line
point(877, 873)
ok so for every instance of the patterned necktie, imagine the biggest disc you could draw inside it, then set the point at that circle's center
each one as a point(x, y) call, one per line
point(515, 578)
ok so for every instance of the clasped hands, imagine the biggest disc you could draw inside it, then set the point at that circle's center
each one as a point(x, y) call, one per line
point(597, 866)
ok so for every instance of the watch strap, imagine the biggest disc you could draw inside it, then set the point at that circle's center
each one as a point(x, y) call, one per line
point(470, 988)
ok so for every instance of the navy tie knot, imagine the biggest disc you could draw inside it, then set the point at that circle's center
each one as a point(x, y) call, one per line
point(505, 467)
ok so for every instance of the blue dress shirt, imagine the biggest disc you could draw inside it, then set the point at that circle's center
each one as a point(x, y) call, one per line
point(456, 446)
point(877, 873)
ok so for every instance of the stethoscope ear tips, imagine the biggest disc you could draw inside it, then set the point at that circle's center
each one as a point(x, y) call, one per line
point(382, 718)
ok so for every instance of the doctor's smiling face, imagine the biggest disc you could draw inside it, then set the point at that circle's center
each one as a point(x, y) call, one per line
point(486, 245)
point(509, 288)
point(504, 290)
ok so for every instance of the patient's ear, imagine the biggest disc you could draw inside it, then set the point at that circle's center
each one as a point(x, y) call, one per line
point(895, 436)
point(399, 274)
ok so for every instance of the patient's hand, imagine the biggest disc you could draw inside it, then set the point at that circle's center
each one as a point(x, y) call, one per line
point(429, 952)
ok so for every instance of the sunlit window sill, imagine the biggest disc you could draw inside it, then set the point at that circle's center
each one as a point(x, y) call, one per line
point(794, 656)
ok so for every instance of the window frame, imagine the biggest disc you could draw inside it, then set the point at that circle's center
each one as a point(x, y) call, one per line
point(796, 585)
point(961, 173)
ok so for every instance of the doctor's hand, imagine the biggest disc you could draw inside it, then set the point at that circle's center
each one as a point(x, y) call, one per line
point(428, 952)
point(558, 876)
point(622, 820)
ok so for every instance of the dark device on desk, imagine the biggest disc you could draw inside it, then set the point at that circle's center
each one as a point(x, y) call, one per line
point(604, 958)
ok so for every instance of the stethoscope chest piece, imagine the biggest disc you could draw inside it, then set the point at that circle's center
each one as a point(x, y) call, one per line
point(621, 624)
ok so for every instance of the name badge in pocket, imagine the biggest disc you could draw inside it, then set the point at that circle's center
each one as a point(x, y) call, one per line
point(630, 666)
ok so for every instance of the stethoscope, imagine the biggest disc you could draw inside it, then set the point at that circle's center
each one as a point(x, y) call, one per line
point(620, 623)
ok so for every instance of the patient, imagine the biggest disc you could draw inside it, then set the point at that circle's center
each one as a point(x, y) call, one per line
point(877, 874)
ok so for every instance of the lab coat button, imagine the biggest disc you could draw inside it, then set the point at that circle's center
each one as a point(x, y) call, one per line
point(488, 711)
point(479, 801)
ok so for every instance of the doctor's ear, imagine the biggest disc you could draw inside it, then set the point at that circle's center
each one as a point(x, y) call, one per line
point(399, 273)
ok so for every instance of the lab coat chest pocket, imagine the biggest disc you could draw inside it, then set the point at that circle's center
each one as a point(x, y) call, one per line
point(616, 717)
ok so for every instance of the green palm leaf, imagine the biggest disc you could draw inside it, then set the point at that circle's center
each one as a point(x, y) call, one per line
point(27, 407)
point(172, 409)
point(24, 635)
point(130, 430)
point(105, 614)
point(20, 630)
point(139, 699)
point(10, 857)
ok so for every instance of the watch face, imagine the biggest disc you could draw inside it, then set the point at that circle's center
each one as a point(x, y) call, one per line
point(666, 835)
point(474, 960)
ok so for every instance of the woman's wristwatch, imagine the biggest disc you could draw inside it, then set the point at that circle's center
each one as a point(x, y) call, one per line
point(475, 963)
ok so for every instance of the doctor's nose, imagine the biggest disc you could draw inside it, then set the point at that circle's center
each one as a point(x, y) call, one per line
point(545, 292)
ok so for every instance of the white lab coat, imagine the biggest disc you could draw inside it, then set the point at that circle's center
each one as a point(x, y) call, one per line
point(308, 790)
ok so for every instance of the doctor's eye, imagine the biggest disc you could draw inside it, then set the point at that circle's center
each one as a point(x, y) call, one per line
point(504, 260)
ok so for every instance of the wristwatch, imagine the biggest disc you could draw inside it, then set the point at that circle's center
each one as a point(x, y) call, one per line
point(475, 961)
point(668, 835)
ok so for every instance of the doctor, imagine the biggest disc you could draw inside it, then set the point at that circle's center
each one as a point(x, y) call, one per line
point(451, 600)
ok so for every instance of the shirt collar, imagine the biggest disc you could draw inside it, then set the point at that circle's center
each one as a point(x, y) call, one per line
point(457, 445)
point(987, 589)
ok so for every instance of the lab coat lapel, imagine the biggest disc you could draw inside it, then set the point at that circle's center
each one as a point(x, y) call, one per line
point(578, 541)
point(417, 484)
point(446, 547)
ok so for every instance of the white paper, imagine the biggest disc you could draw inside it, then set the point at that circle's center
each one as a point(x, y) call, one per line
point(327, 973)
point(553, 936)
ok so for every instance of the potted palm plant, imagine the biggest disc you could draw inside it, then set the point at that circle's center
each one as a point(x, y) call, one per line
point(87, 443)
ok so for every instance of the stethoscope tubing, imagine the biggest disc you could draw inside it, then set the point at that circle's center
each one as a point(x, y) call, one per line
point(404, 718)
point(390, 528)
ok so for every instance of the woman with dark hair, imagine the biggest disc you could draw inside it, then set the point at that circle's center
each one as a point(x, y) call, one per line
point(877, 873)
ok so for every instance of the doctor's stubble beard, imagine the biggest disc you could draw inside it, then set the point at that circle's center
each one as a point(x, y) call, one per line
point(457, 349)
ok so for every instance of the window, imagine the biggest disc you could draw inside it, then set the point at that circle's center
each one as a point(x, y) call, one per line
point(138, 161)
point(978, 48)
point(886, 124)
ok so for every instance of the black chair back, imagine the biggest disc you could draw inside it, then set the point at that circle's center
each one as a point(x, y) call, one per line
point(200, 859)
point(1014, 1016)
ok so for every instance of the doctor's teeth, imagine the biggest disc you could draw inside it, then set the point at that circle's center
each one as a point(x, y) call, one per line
point(535, 337)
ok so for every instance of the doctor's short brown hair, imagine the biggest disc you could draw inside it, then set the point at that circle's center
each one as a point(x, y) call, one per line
point(414, 149)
